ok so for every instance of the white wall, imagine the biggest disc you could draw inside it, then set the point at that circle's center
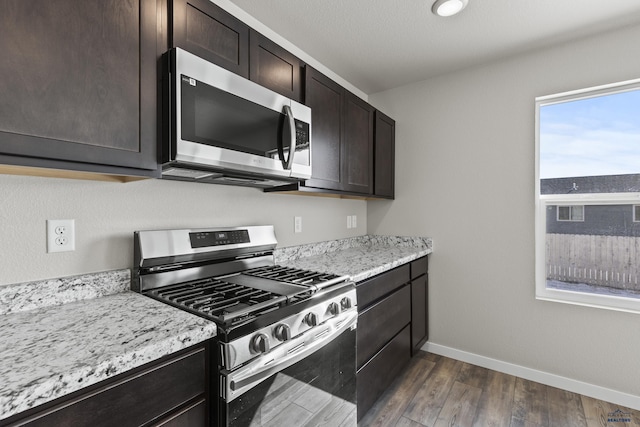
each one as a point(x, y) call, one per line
point(107, 214)
point(465, 176)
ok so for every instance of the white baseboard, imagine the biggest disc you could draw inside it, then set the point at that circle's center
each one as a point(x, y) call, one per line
point(597, 392)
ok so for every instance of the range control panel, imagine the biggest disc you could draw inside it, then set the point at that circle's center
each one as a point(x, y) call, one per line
point(204, 239)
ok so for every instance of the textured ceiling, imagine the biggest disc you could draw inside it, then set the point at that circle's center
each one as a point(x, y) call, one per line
point(382, 44)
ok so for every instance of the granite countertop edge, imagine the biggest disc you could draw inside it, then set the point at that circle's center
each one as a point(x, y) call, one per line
point(67, 343)
point(360, 257)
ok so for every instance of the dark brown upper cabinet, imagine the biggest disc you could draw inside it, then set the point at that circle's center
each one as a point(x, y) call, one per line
point(78, 85)
point(342, 137)
point(384, 157)
point(273, 67)
point(325, 97)
point(206, 30)
point(357, 145)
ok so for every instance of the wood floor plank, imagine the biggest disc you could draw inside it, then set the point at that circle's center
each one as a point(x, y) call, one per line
point(390, 406)
point(530, 402)
point(460, 408)
point(433, 357)
point(445, 394)
point(406, 422)
point(600, 414)
point(473, 375)
point(431, 396)
point(496, 403)
point(518, 422)
point(565, 408)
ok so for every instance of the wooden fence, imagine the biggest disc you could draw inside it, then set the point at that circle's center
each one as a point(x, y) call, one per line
point(612, 261)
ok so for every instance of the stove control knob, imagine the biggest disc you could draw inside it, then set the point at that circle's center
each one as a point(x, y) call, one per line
point(334, 308)
point(260, 343)
point(311, 319)
point(283, 332)
point(345, 303)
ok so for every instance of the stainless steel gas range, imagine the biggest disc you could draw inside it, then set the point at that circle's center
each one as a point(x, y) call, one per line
point(285, 350)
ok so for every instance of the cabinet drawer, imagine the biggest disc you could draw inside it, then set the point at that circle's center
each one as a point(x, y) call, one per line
point(378, 286)
point(135, 399)
point(419, 267)
point(192, 416)
point(378, 324)
point(374, 377)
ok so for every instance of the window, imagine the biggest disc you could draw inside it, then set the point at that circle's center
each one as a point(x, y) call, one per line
point(587, 192)
point(570, 213)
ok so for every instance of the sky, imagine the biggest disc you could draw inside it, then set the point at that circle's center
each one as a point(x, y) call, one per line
point(589, 137)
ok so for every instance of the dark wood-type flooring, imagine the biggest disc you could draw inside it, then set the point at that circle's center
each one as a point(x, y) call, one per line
point(437, 391)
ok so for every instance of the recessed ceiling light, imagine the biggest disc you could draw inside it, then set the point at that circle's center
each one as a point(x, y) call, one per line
point(448, 7)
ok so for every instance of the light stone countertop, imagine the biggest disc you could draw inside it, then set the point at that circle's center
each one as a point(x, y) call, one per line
point(55, 347)
point(359, 257)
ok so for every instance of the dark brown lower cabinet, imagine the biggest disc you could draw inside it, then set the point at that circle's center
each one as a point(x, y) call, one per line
point(392, 325)
point(380, 371)
point(383, 345)
point(170, 392)
point(419, 304)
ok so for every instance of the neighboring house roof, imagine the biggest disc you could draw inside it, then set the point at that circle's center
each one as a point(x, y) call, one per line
point(591, 184)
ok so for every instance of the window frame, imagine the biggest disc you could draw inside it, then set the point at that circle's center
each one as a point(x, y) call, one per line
point(636, 213)
point(570, 213)
point(611, 302)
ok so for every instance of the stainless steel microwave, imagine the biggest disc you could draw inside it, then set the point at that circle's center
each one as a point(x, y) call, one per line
point(226, 129)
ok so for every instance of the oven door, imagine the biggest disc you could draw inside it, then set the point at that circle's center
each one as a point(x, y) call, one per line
point(310, 381)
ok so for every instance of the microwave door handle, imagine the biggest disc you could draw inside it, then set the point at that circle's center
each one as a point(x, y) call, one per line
point(292, 130)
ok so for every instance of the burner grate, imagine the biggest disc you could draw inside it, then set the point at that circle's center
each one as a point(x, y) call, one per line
point(291, 275)
point(218, 299)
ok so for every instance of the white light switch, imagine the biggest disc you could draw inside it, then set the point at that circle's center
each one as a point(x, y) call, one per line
point(349, 221)
point(297, 224)
point(354, 221)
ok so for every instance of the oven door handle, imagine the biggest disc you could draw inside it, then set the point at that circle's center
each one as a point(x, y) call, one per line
point(236, 383)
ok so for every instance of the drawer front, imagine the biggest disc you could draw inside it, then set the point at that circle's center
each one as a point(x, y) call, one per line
point(374, 377)
point(378, 286)
point(419, 267)
point(134, 400)
point(194, 415)
point(378, 324)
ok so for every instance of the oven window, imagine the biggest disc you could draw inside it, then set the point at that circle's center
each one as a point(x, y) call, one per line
point(320, 387)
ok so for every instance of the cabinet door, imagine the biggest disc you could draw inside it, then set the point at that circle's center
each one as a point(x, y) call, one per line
point(78, 84)
point(324, 96)
point(419, 319)
point(357, 145)
point(384, 158)
point(419, 303)
point(273, 67)
point(206, 30)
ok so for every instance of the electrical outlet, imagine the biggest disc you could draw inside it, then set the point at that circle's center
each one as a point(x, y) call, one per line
point(297, 224)
point(61, 235)
point(349, 221)
point(354, 221)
